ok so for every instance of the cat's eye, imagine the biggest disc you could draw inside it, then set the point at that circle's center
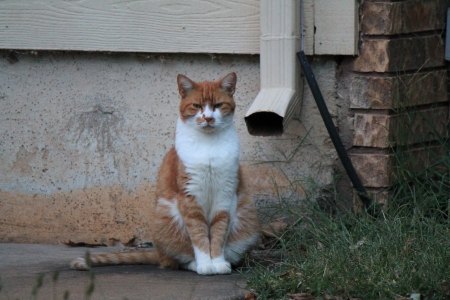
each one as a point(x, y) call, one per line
point(197, 105)
point(218, 105)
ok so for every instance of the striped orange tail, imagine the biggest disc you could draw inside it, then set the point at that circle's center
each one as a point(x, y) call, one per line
point(149, 257)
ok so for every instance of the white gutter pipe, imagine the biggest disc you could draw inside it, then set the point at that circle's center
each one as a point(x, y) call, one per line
point(279, 97)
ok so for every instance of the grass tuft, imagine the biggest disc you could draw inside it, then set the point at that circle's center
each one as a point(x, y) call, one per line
point(402, 252)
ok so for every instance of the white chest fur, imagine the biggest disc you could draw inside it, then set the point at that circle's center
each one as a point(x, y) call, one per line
point(211, 160)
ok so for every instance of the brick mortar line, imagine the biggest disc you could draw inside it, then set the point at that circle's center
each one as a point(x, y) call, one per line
point(384, 1)
point(416, 34)
point(408, 109)
point(377, 189)
point(400, 73)
point(359, 150)
point(369, 111)
point(369, 150)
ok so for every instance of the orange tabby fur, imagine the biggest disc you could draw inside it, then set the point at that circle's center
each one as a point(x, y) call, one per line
point(182, 222)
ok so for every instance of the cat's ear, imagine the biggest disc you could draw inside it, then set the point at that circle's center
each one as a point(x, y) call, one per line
point(228, 83)
point(185, 85)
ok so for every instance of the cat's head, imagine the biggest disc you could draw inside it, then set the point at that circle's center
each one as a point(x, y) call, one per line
point(207, 106)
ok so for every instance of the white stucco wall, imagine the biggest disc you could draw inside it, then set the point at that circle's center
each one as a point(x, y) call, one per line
point(82, 136)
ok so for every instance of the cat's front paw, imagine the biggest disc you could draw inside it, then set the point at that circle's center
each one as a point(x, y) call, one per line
point(221, 266)
point(205, 269)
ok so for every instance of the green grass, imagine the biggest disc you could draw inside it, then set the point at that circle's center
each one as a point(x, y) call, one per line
point(405, 249)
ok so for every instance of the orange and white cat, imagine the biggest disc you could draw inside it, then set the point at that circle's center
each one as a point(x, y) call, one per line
point(204, 222)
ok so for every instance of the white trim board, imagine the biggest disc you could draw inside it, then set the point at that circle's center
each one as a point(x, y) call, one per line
point(167, 26)
point(215, 26)
point(336, 27)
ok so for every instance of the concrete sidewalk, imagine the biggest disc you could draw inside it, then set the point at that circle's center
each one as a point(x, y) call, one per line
point(21, 264)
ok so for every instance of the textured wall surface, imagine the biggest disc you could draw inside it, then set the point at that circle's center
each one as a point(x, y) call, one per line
point(82, 136)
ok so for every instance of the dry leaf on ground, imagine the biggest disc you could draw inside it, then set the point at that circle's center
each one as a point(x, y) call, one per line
point(131, 242)
point(274, 229)
point(82, 244)
point(319, 246)
point(250, 296)
point(261, 244)
point(329, 297)
point(117, 242)
point(301, 296)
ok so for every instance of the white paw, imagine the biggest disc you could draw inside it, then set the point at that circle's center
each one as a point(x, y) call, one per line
point(205, 269)
point(221, 266)
point(191, 266)
point(203, 261)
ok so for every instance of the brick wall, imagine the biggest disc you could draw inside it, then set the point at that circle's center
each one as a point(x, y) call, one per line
point(397, 88)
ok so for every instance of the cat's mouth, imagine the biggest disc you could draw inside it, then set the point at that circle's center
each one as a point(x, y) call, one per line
point(208, 127)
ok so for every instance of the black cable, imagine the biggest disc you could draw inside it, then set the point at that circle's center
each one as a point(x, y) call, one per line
point(342, 153)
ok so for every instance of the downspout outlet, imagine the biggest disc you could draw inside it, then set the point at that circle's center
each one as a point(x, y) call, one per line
point(278, 100)
point(271, 111)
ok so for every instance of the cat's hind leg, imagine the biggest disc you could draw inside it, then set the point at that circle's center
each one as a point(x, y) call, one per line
point(167, 262)
point(170, 236)
point(191, 266)
point(244, 231)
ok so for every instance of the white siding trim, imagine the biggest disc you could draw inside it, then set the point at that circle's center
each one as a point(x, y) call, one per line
point(207, 26)
point(167, 26)
point(337, 27)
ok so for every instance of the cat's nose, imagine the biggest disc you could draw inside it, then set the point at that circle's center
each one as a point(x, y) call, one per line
point(207, 119)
